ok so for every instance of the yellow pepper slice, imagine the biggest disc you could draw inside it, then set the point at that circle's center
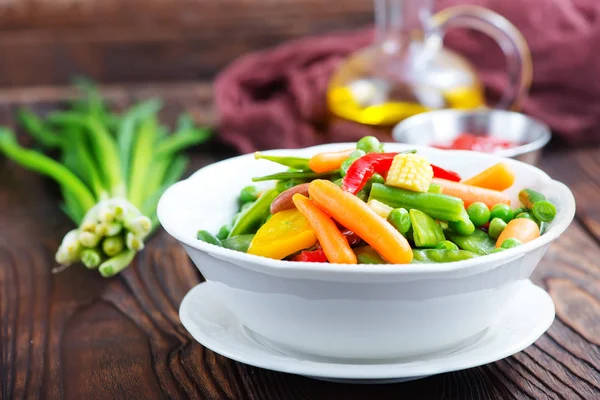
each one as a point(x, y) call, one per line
point(285, 233)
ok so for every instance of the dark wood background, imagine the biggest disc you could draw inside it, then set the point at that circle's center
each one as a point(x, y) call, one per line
point(78, 336)
point(47, 41)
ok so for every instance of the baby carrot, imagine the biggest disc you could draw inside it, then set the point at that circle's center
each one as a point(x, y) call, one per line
point(497, 177)
point(332, 241)
point(522, 229)
point(472, 194)
point(357, 216)
point(328, 161)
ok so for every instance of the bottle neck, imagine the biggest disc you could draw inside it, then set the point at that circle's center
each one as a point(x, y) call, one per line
point(395, 20)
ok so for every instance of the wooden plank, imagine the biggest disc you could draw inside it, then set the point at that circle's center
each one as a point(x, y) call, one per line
point(138, 40)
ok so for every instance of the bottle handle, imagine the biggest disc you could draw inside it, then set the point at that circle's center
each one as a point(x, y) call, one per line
point(508, 37)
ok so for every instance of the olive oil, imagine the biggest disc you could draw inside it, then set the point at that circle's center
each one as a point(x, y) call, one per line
point(380, 89)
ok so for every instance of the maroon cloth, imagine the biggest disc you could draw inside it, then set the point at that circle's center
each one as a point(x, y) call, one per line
point(276, 98)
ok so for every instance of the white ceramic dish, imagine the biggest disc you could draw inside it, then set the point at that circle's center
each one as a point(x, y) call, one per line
point(526, 317)
point(363, 311)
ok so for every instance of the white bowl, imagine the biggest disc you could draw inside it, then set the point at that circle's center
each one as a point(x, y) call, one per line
point(355, 311)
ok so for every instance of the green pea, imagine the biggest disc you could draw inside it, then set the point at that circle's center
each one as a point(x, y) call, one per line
point(496, 227)
point(510, 243)
point(502, 211)
point(446, 245)
point(224, 231)
point(208, 237)
point(479, 214)
point(248, 194)
point(370, 144)
point(400, 219)
point(355, 155)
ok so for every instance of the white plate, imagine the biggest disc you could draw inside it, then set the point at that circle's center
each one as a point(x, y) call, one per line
point(528, 316)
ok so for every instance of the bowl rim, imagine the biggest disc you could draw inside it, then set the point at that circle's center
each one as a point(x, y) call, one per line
point(294, 268)
point(399, 130)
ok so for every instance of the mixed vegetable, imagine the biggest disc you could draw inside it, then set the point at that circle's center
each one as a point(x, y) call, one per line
point(364, 205)
point(112, 170)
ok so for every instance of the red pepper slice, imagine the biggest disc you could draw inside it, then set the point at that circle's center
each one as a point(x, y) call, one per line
point(311, 256)
point(364, 168)
point(445, 174)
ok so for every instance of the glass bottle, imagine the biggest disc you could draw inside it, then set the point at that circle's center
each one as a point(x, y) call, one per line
point(407, 70)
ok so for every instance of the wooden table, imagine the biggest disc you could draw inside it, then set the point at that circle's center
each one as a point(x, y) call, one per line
point(78, 336)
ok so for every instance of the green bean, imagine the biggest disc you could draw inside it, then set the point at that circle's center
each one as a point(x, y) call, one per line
point(441, 256)
point(478, 242)
point(438, 206)
point(251, 219)
point(446, 245)
point(238, 243)
point(224, 231)
point(400, 219)
point(307, 175)
point(208, 237)
point(367, 255)
point(463, 226)
point(292, 162)
point(347, 163)
point(543, 209)
point(434, 188)
point(427, 232)
point(248, 194)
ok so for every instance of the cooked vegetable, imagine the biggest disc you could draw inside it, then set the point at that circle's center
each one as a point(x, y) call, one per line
point(538, 204)
point(472, 194)
point(438, 206)
point(364, 168)
point(298, 163)
point(238, 243)
point(304, 175)
point(477, 242)
point(284, 200)
point(248, 194)
point(285, 233)
point(522, 229)
point(446, 245)
point(441, 256)
point(357, 216)
point(410, 171)
point(383, 210)
point(333, 243)
point(442, 173)
point(400, 219)
point(497, 225)
point(370, 144)
point(111, 169)
point(347, 163)
point(208, 237)
point(427, 232)
point(463, 226)
point(434, 188)
point(528, 216)
point(310, 256)
point(367, 255)
point(502, 211)
point(328, 161)
point(224, 231)
point(479, 214)
point(285, 184)
point(250, 219)
point(497, 177)
point(510, 243)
